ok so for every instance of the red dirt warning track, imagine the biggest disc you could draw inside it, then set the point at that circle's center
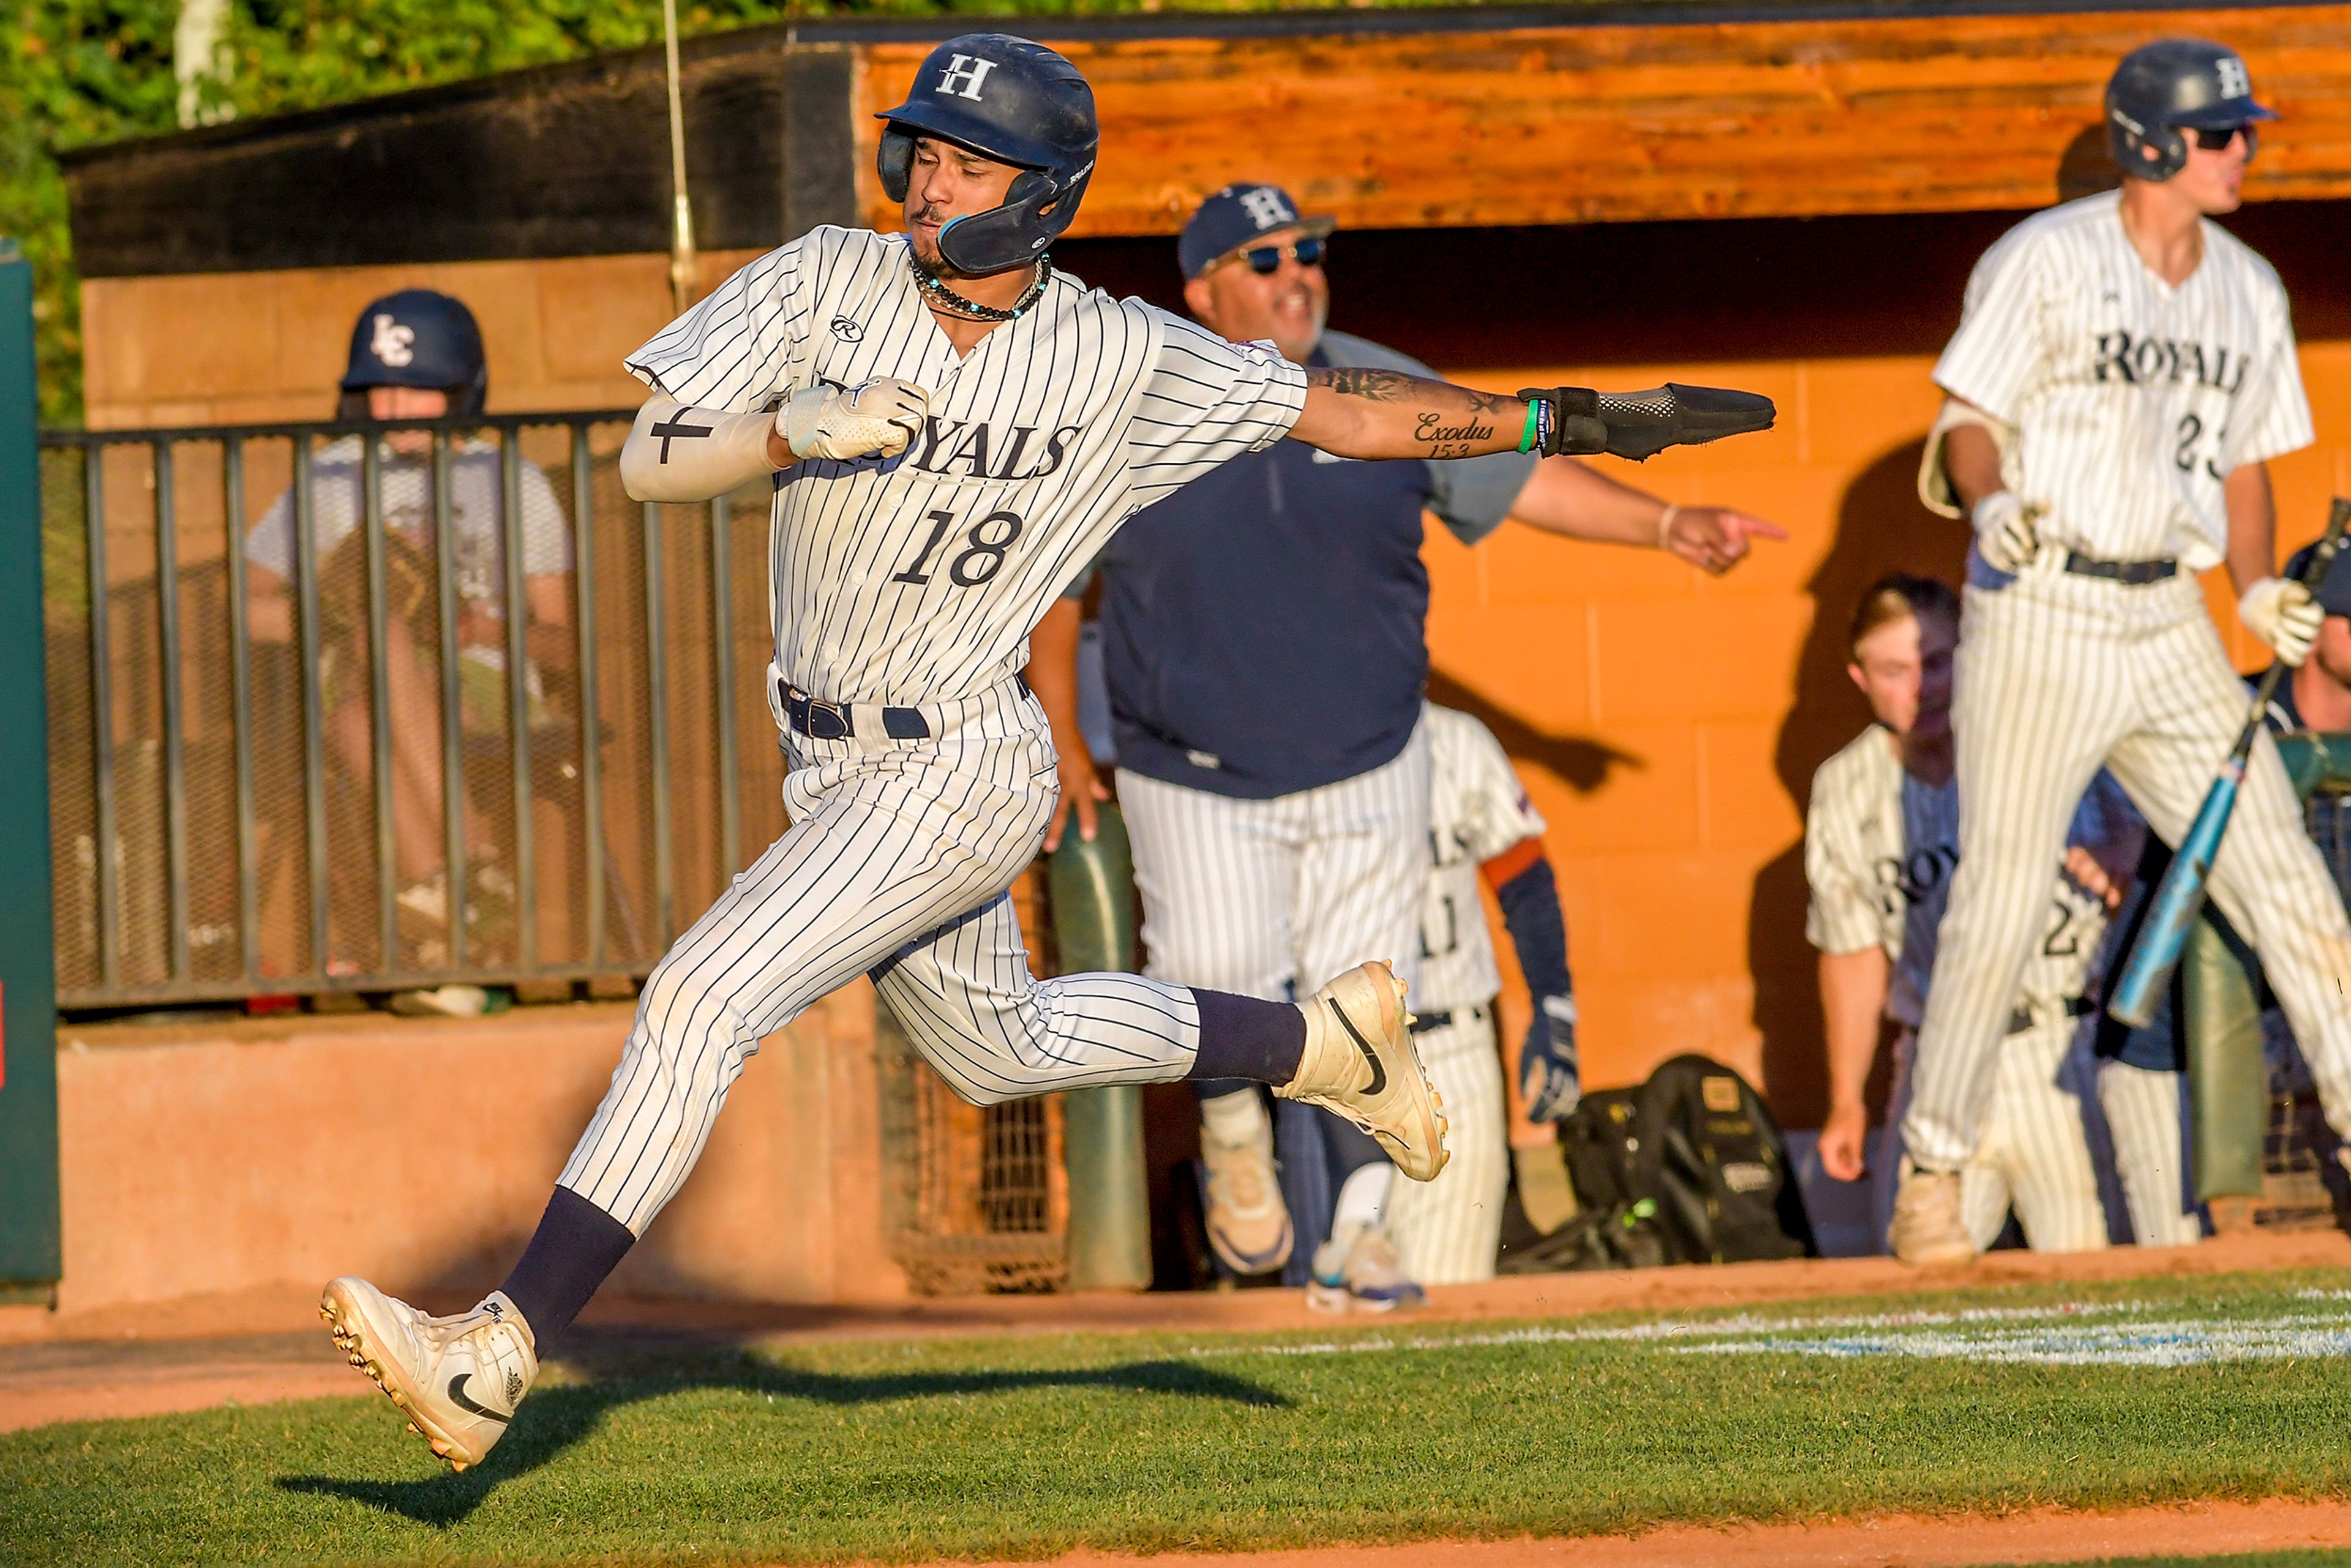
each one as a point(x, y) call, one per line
point(2043, 1535)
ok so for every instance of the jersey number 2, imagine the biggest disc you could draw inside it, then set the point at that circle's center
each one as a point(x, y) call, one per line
point(981, 559)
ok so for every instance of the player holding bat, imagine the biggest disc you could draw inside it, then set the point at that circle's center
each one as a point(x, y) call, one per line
point(2122, 371)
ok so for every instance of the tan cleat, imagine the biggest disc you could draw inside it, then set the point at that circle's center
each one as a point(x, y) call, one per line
point(1361, 1063)
point(1928, 1229)
point(458, 1378)
point(1248, 1225)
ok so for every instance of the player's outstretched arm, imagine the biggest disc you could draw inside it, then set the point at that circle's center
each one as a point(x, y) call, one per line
point(675, 453)
point(1357, 411)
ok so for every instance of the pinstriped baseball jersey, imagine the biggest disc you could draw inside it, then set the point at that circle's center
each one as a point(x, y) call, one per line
point(1879, 849)
point(2130, 399)
point(917, 579)
point(1477, 809)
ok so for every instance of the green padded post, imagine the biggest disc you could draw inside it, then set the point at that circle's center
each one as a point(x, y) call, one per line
point(1092, 889)
point(2229, 1081)
point(30, 1249)
point(2228, 1076)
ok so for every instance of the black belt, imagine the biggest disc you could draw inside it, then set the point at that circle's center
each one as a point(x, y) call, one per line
point(821, 720)
point(1424, 1022)
point(2023, 1018)
point(2137, 573)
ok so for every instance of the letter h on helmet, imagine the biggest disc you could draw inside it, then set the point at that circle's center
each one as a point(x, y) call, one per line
point(2167, 87)
point(1018, 103)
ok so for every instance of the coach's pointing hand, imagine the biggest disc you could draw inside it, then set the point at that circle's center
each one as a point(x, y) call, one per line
point(2284, 615)
point(875, 418)
point(1714, 538)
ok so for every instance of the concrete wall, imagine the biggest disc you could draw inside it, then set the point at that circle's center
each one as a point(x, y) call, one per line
point(262, 1158)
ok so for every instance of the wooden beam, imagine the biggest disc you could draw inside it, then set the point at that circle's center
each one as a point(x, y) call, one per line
point(1581, 124)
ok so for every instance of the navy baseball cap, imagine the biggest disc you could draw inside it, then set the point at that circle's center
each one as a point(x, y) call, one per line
point(2334, 588)
point(1235, 216)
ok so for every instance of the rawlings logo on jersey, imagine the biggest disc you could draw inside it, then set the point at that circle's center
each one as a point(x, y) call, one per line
point(978, 450)
point(2143, 362)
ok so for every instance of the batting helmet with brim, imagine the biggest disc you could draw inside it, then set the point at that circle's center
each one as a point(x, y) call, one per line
point(2169, 87)
point(418, 337)
point(1018, 103)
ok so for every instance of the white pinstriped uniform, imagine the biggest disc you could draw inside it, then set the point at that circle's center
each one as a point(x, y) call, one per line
point(2130, 401)
point(1449, 1230)
point(1880, 847)
point(914, 581)
point(1272, 898)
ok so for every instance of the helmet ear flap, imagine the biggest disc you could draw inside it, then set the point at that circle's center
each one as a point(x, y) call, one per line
point(894, 161)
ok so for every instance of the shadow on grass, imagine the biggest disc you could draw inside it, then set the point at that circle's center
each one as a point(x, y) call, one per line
point(553, 1419)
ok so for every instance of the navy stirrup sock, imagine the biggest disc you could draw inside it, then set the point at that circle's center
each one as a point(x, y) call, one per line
point(576, 1246)
point(1241, 1037)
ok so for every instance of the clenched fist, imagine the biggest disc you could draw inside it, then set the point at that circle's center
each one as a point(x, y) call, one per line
point(2004, 534)
point(875, 418)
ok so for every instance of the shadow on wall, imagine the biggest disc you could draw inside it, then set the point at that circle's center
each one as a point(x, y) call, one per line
point(1581, 765)
point(1881, 527)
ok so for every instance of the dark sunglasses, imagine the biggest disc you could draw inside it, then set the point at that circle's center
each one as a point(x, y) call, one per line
point(1266, 259)
point(2211, 139)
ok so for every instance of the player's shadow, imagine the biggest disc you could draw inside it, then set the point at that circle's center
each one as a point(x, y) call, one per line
point(554, 1419)
point(1581, 765)
point(1881, 528)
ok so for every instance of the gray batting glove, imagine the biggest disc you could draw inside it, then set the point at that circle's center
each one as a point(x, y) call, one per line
point(2284, 614)
point(2004, 534)
point(875, 418)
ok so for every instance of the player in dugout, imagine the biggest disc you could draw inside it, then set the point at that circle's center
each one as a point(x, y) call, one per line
point(1264, 646)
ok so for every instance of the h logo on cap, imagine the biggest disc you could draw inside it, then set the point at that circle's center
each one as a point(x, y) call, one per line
point(391, 343)
point(2235, 82)
point(963, 76)
point(1266, 208)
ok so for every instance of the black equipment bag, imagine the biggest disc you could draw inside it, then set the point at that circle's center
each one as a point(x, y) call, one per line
point(1709, 1152)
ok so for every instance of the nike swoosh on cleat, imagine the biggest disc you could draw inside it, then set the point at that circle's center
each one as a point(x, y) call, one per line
point(457, 1397)
point(1370, 1057)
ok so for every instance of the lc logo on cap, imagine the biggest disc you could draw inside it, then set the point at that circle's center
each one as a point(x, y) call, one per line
point(392, 343)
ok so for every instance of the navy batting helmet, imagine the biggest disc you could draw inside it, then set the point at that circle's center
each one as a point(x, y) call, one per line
point(418, 337)
point(1014, 101)
point(2171, 86)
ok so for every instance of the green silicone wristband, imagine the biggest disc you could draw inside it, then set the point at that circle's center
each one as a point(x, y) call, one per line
point(1526, 441)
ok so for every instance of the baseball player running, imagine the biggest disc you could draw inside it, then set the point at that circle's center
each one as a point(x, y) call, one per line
point(1447, 1230)
point(2122, 371)
point(1880, 843)
point(954, 428)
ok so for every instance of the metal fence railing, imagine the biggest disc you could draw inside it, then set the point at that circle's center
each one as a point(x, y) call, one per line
point(364, 708)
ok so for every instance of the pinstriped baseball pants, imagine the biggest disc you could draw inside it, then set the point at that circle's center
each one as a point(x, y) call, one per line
point(2057, 675)
point(897, 862)
point(1256, 897)
point(2143, 1114)
point(1449, 1230)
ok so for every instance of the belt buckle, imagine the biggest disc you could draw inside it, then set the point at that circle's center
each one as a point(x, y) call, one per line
point(826, 721)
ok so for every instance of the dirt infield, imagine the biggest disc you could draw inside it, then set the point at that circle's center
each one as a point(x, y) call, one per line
point(192, 1356)
point(2044, 1535)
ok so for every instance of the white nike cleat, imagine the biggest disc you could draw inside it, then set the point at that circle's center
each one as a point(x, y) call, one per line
point(1928, 1229)
point(1248, 1225)
point(1358, 1270)
point(1361, 1063)
point(457, 1379)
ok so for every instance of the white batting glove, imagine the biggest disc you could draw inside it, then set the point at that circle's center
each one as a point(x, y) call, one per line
point(2004, 534)
point(2283, 615)
point(875, 418)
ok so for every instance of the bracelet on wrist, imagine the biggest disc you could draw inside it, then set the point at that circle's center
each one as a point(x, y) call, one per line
point(1666, 524)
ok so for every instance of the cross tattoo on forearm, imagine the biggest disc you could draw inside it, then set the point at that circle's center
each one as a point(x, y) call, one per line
point(675, 427)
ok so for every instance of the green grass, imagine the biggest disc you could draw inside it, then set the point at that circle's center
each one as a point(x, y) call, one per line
point(2307, 1557)
point(978, 1449)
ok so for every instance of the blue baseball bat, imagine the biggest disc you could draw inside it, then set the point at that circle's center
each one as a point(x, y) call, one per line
point(2179, 896)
